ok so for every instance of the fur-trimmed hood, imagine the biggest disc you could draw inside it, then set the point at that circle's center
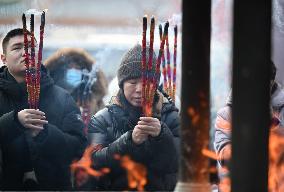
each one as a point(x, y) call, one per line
point(60, 61)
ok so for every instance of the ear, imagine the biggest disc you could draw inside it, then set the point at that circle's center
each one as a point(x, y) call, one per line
point(3, 58)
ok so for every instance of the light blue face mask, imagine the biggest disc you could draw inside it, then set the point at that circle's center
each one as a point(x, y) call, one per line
point(74, 77)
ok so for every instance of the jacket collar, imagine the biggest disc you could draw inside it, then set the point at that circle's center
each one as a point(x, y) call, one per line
point(11, 87)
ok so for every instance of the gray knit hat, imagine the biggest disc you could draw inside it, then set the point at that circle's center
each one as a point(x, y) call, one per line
point(130, 66)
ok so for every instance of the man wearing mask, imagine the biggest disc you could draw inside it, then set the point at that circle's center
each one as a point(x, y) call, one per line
point(37, 146)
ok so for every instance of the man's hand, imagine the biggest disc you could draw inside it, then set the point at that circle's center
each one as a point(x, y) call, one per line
point(150, 126)
point(32, 119)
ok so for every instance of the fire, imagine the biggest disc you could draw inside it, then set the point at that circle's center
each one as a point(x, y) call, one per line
point(210, 154)
point(136, 172)
point(84, 165)
point(148, 110)
point(194, 115)
point(225, 184)
point(276, 161)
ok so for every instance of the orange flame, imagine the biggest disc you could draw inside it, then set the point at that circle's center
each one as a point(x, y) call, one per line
point(276, 163)
point(150, 92)
point(210, 154)
point(85, 163)
point(148, 110)
point(136, 172)
point(194, 115)
point(225, 184)
point(276, 160)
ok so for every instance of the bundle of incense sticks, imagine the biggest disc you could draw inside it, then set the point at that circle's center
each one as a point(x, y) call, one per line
point(150, 73)
point(169, 73)
point(164, 70)
point(32, 68)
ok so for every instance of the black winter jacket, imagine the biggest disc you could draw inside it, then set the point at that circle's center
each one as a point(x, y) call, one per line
point(52, 151)
point(111, 127)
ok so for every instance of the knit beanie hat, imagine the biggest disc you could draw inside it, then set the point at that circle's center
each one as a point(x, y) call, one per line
point(130, 66)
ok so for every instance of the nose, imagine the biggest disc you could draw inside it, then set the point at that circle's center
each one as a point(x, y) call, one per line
point(139, 87)
point(23, 52)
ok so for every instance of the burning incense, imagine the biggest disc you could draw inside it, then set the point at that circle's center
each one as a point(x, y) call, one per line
point(168, 64)
point(151, 74)
point(149, 82)
point(33, 68)
point(28, 80)
point(155, 78)
point(42, 23)
point(32, 64)
point(144, 62)
point(164, 71)
point(175, 64)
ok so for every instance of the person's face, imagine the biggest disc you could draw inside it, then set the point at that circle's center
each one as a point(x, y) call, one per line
point(14, 57)
point(133, 91)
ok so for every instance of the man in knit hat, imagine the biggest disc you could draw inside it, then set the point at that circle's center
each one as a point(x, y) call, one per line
point(121, 130)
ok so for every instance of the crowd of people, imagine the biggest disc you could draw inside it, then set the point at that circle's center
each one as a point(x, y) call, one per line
point(38, 146)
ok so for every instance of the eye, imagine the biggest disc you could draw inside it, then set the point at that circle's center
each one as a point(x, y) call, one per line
point(16, 48)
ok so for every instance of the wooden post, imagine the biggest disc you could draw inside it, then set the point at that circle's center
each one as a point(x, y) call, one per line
point(251, 95)
point(195, 112)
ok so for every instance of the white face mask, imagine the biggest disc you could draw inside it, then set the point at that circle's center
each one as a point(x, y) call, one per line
point(74, 77)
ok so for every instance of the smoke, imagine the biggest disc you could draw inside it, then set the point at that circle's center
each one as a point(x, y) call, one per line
point(33, 11)
point(176, 19)
point(278, 15)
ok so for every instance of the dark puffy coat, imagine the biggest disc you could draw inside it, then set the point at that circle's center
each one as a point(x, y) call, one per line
point(52, 151)
point(111, 128)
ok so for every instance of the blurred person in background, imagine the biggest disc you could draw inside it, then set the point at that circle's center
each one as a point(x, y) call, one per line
point(74, 69)
point(223, 127)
